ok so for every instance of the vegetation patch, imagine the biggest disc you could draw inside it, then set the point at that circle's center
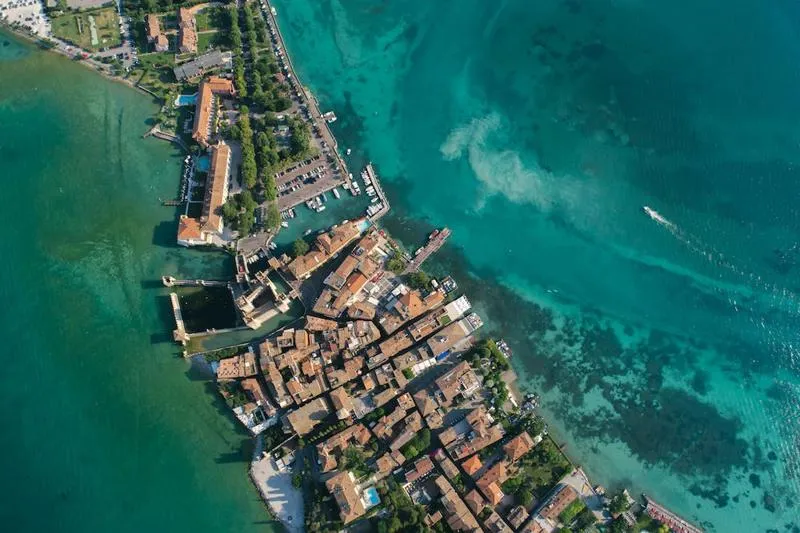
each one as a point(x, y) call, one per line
point(76, 28)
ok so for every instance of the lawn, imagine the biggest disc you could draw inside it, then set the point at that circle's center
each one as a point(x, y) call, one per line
point(76, 28)
point(213, 18)
point(207, 40)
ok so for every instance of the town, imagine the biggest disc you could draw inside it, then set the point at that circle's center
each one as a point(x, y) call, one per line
point(381, 408)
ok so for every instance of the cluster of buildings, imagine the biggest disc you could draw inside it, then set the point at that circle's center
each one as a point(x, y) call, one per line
point(197, 232)
point(344, 382)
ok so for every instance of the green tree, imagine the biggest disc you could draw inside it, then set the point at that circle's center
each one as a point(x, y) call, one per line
point(299, 247)
point(619, 503)
point(273, 216)
point(525, 497)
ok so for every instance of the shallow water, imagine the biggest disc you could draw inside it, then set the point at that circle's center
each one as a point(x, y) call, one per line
point(537, 131)
point(105, 428)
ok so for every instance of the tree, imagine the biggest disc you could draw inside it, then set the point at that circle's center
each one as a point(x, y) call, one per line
point(419, 280)
point(619, 503)
point(299, 247)
point(273, 216)
point(525, 497)
point(230, 210)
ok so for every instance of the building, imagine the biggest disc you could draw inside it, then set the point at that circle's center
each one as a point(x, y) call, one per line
point(422, 467)
point(304, 419)
point(187, 31)
point(519, 446)
point(202, 64)
point(481, 431)
point(495, 524)
point(325, 247)
point(489, 483)
point(216, 189)
point(335, 445)
point(556, 504)
point(154, 35)
point(517, 516)
point(475, 501)
point(240, 366)
point(454, 337)
point(459, 381)
point(190, 232)
point(344, 489)
point(205, 114)
point(459, 517)
point(472, 465)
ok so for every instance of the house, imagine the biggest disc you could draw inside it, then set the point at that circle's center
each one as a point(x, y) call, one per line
point(517, 516)
point(556, 504)
point(475, 501)
point(187, 31)
point(489, 483)
point(422, 467)
point(354, 435)
point(472, 465)
point(190, 232)
point(495, 524)
point(344, 489)
point(459, 517)
point(518, 446)
point(461, 380)
point(154, 35)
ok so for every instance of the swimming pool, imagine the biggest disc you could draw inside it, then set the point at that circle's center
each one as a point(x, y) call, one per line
point(186, 99)
point(371, 497)
point(203, 163)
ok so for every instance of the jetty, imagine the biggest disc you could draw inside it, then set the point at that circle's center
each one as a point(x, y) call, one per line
point(435, 241)
point(665, 516)
point(373, 216)
point(170, 281)
point(179, 333)
point(156, 132)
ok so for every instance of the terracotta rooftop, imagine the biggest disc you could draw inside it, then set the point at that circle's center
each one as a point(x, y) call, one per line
point(303, 419)
point(216, 188)
point(556, 505)
point(189, 229)
point(472, 465)
point(240, 366)
point(518, 446)
point(344, 490)
point(187, 31)
point(205, 106)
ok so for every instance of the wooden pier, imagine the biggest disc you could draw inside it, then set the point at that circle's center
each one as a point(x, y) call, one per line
point(665, 516)
point(435, 241)
point(179, 334)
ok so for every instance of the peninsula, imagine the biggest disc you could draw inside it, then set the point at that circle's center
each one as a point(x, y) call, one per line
point(380, 408)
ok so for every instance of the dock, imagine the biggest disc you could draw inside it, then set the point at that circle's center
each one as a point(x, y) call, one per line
point(156, 132)
point(170, 281)
point(435, 241)
point(665, 516)
point(373, 177)
point(179, 333)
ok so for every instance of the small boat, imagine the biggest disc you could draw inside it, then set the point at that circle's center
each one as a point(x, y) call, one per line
point(336, 193)
point(348, 151)
point(324, 197)
point(375, 199)
point(320, 209)
point(306, 232)
point(284, 224)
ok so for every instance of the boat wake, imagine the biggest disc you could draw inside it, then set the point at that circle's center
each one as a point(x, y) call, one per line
point(776, 296)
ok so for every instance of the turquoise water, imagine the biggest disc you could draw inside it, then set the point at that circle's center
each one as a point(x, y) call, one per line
point(666, 351)
point(186, 99)
point(104, 427)
point(371, 496)
point(203, 163)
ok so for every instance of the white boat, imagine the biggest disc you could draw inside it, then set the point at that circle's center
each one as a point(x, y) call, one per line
point(284, 224)
point(324, 197)
point(307, 232)
point(348, 151)
point(320, 209)
point(652, 213)
point(375, 199)
point(336, 193)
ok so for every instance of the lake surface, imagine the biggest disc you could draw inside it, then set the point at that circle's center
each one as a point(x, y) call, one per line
point(105, 427)
point(665, 347)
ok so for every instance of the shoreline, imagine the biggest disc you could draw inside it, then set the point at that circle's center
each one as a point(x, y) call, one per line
point(517, 388)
